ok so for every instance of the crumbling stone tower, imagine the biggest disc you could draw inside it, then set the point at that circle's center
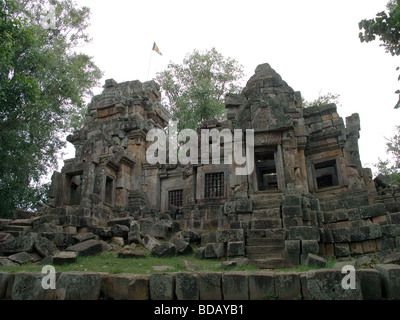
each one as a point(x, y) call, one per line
point(106, 177)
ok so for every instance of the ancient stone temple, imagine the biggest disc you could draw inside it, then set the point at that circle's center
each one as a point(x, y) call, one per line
point(308, 192)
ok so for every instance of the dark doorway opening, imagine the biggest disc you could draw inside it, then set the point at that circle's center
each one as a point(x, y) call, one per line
point(266, 171)
point(326, 174)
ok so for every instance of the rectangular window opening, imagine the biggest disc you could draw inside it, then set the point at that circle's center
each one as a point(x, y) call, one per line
point(214, 186)
point(326, 174)
point(75, 190)
point(266, 171)
point(109, 191)
point(175, 198)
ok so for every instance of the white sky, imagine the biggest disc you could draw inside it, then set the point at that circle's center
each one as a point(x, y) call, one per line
point(312, 44)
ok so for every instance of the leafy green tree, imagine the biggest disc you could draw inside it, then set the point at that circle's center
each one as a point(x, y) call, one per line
point(391, 167)
point(43, 84)
point(386, 26)
point(195, 90)
point(322, 100)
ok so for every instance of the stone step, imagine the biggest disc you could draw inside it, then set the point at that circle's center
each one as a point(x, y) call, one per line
point(266, 204)
point(277, 233)
point(265, 250)
point(266, 213)
point(271, 263)
point(271, 223)
point(265, 242)
point(17, 229)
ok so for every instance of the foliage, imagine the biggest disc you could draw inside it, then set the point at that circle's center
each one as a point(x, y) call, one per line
point(322, 100)
point(391, 167)
point(195, 89)
point(386, 26)
point(43, 83)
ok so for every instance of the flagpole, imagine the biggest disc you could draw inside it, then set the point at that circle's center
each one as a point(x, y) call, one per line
point(148, 70)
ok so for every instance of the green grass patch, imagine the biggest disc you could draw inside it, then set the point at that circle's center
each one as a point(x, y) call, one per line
point(108, 262)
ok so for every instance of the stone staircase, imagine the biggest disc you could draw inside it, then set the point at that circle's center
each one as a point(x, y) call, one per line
point(265, 239)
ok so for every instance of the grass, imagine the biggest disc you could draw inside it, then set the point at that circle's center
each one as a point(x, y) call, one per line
point(109, 262)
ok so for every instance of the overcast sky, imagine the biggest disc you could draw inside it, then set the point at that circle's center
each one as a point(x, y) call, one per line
point(312, 44)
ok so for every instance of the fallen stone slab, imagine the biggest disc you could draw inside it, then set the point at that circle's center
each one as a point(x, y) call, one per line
point(120, 221)
point(119, 230)
point(315, 261)
point(118, 241)
point(19, 244)
point(44, 247)
point(165, 250)
point(190, 266)
point(22, 258)
point(150, 242)
point(393, 258)
point(162, 268)
point(183, 247)
point(131, 253)
point(87, 248)
point(82, 237)
point(4, 236)
point(5, 262)
point(64, 257)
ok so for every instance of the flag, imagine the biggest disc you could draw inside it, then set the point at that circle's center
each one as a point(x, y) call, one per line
point(155, 48)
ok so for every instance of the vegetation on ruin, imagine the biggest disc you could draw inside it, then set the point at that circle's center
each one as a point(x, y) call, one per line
point(385, 26)
point(323, 100)
point(195, 89)
point(43, 84)
point(391, 166)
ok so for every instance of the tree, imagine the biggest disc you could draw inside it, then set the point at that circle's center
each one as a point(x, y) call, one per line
point(322, 100)
point(43, 83)
point(195, 90)
point(391, 167)
point(386, 26)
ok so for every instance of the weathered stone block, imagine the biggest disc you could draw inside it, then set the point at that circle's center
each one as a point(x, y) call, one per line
point(150, 242)
point(82, 237)
point(292, 252)
point(162, 286)
point(371, 211)
point(214, 251)
point(134, 237)
point(187, 286)
point(19, 244)
point(342, 249)
point(119, 230)
point(5, 262)
point(244, 205)
point(292, 211)
point(79, 285)
point(356, 248)
point(261, 286)
point(391, 230)
point(121, 221)
point(342, 235)
point(371, 286)
point(327, 285)
point(369, 246)
point(304, 233)
point(126, 287)
point(44, 247)
point(315, 261)
point(210, 286)
point(65, 257)
point(235, 286)
point(28, 286)
point(291, 200)
point(287, 286)
point(390, 277)
point(235, 249)
point(309, 246)
point(335, 216)
point(22, 257)
point(87, 248)
point(183, 247)
point(225, 236)
point(4, 280)
point(165, 250)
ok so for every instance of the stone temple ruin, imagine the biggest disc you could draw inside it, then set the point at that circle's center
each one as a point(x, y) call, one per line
point(308, 193)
